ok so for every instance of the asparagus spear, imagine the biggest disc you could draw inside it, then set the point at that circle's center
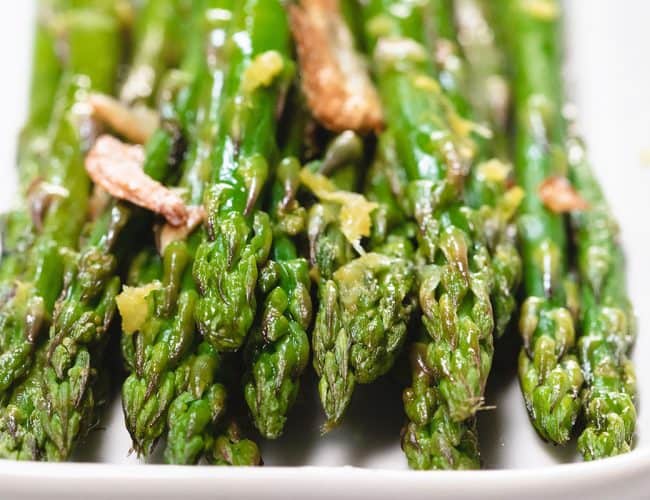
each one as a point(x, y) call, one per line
point(227, 264)
point(365, 302)
point(453, 355)
point(200, 403)
point(607, 320)
point(486, 192)
point(361, 324)
point(277, 351)
point(330, 250)
point(548, 369)
point(230, 448)
point(153, 38)
point(64, 385)
point(63, 193)
point(165, 336)
point(250, 77)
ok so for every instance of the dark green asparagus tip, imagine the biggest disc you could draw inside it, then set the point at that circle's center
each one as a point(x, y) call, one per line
point(361, 326)
point(279, 348)
point(226, 271)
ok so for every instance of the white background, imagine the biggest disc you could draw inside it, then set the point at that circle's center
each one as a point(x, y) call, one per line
point(608, 76)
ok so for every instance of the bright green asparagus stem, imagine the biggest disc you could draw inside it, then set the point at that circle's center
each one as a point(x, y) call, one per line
point(249, 76)
point(277, 351)
point(168, 333)
point(46, 76)
point(85, 310)
point(228, 263)
point(488, 82)
point(548, 370)
point(329, 251)
point(62, 214)
point(47, 66)
point(64, 385)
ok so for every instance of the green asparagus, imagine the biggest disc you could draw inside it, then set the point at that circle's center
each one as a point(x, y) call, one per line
point(277, 351)
point(549, 371)
point(365, 302)
point(607, 320)
point(23, 435)
point(228, 263)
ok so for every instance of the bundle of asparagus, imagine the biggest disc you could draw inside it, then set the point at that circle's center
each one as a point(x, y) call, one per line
point(241, 201)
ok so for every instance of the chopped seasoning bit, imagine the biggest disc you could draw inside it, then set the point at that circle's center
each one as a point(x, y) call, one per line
point(464, 128)
point(494, 170)
point(354, 215)
point(427, 83)
point(132, 304)
point(559, 196)
point(393, 50)
point(546, 10)
point(511, 201)
point(136, 124)
point(168, 233)
point(335, 80)
point(263, 70)
point(117, 168)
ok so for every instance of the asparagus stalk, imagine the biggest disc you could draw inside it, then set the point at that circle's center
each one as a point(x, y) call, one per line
point(200, 403)
point(167, 334)
point(228, 262)
point(365, 302)
point(330, 250)
point(63, 195)
point(361, 323)
point(153, 38)
point(258, 78)
point(486, 192)
point(277, 351)
point(230, 448)
point(85, 310)
point(607, 320)
point(549, 372)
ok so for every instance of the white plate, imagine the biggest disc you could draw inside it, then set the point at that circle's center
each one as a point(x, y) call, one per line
point(609, 77)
